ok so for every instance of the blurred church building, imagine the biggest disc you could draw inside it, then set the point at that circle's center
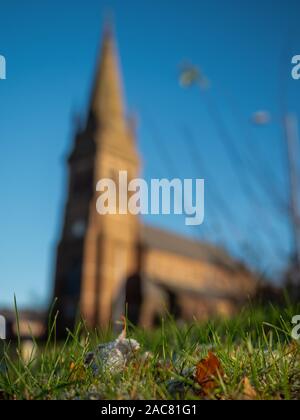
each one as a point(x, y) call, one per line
point(114, 264)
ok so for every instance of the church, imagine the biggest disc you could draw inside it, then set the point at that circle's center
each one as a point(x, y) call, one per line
point(109, 265)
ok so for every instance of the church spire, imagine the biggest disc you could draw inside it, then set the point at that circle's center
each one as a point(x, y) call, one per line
point(107, 97)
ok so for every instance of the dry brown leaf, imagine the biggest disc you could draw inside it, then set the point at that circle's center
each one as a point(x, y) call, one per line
point(207, 372)
point(77, 371)
point(249, 392)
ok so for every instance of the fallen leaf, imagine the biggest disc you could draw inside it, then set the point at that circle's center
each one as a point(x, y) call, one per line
point(207, 372)
point(77, 371)
point(249, 392)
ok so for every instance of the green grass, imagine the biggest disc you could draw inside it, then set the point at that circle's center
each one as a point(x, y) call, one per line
point(256, 345)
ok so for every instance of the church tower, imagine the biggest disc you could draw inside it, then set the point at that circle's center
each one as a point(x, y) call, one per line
point(96, 254)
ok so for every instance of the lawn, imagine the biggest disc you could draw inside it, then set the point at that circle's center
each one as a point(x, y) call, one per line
point(251, 356)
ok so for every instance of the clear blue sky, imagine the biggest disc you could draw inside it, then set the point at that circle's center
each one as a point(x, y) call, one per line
point(51, 48)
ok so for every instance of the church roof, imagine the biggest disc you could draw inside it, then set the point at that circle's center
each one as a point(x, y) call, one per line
point(157, 238)
point(228, 278)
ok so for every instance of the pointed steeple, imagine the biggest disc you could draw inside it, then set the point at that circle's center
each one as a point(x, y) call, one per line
point(107, 97)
